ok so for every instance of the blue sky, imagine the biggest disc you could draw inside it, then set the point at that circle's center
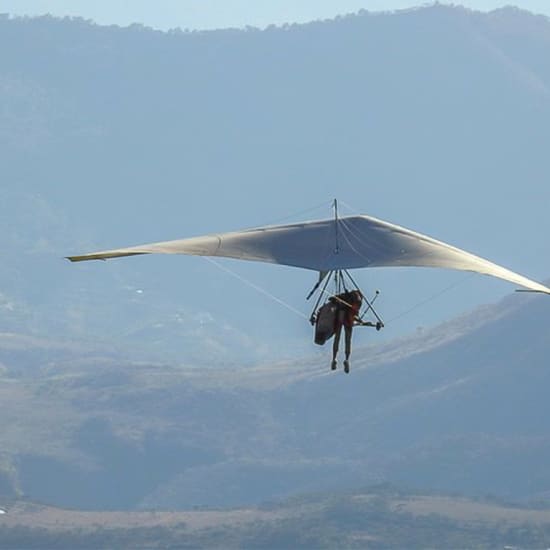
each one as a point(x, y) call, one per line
point(208, 14)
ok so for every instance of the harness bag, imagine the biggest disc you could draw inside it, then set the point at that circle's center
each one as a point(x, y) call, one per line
point(324, 325)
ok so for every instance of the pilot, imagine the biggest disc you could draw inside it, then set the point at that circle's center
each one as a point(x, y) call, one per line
point(347, 316)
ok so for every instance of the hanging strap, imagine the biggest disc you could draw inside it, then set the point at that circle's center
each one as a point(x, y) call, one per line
point(322, 275)
point(312, 317)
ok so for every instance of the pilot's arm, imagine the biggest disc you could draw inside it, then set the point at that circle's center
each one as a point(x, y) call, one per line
point(378, 325)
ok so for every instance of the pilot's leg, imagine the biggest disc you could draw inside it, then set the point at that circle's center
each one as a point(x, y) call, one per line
point(348, 346)
point(336, 343)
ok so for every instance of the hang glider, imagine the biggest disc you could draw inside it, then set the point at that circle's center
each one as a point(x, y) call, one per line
point(329, 245)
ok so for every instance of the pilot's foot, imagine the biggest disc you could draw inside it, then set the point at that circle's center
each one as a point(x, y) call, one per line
point(346, 366)
point(333, 364)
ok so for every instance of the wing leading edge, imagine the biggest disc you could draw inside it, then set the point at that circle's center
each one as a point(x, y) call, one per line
point(326, 245)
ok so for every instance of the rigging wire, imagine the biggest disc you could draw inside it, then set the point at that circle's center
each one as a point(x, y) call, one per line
point(325, 205)
point(432, 297)
point(351, 232)
point(255, 287)
point(351, 209)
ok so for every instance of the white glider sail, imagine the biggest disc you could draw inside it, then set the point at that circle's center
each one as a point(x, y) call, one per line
point(327, 245)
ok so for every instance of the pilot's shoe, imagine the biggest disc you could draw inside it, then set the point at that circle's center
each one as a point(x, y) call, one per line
point(346, 366)
point(333, 364)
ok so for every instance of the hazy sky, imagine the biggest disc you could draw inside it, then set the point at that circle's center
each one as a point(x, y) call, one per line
point(207, 14)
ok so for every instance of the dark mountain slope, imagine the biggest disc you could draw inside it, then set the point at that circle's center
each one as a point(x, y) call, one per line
point(468, 415)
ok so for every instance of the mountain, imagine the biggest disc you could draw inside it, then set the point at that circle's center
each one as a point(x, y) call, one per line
point(166, 383)
point(381, 517)
point(459, 408)
point(435, 118)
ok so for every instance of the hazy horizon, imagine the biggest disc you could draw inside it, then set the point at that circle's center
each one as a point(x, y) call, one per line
point(215, 14)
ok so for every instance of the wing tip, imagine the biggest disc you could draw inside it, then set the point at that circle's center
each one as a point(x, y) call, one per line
point(103, 256)
point(73, 259)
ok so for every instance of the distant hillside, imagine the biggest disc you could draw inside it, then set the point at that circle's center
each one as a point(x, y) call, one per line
point(436, 118)
point(461, 408)
point(381, 517)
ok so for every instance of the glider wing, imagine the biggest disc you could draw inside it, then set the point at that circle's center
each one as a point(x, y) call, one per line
point(326, 245)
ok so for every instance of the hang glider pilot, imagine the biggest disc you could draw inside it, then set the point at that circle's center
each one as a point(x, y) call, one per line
point(348, 305)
